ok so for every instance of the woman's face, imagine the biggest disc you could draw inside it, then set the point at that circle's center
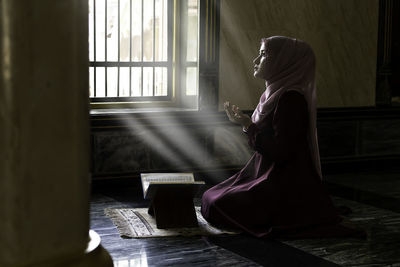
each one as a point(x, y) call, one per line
point(260, 62)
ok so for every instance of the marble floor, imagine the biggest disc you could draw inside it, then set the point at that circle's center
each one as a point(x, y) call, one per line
point(373, 197)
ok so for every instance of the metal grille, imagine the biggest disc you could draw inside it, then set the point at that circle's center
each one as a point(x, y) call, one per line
point(130, 50)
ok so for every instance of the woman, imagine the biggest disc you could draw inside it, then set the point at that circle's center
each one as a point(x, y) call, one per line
point(279, 191)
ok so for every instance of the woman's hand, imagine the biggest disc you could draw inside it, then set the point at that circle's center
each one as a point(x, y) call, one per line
point(237, 116)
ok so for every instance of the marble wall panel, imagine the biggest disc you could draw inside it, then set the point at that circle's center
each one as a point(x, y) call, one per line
point(118, 152)
point(172, 149)
point(178, 148)
point(343, 34)
point(337, 139)
point(223, 146)
point(380, 137)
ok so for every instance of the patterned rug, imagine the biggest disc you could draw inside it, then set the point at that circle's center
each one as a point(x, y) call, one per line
point(137, 223)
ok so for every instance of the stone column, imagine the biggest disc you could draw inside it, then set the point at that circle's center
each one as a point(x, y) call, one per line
point(44, 132)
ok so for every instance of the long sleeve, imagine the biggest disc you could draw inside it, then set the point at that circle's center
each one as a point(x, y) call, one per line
point(289, 126)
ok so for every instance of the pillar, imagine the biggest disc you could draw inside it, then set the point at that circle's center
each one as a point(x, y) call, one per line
point(44, 135)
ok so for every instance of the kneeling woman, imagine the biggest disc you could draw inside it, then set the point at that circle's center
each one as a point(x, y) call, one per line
point(279, 191)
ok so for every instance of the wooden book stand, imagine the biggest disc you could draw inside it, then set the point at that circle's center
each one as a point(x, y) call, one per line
point(172, 204)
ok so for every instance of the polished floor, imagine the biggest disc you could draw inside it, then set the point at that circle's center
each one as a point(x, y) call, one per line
point(373, 197)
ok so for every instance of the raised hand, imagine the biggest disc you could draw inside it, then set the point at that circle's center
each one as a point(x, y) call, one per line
point(235, 115)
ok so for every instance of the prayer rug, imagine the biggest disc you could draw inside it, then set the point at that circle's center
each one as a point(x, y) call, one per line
point(137, 223)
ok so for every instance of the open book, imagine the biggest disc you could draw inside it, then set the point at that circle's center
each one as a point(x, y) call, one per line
point(152, 181)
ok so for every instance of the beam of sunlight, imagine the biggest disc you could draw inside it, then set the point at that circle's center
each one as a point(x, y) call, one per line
point(139, 260)
point(150, 138)
point(186, 148)
point(182, 139)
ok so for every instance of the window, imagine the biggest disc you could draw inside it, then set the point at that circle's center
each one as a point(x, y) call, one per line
point(143, 51)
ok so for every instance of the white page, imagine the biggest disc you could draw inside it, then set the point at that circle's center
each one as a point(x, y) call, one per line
point(148, 178)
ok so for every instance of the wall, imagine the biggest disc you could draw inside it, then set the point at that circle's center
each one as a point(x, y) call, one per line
point(343, 34)
point(124, 145)
point(351, 137)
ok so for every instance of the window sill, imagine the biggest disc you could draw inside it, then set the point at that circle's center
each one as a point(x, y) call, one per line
point(116, 111)
point(109, 119)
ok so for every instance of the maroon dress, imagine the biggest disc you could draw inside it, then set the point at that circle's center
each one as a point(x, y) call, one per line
point(278, 192)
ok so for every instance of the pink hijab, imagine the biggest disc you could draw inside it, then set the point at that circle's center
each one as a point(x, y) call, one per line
point(291, 66)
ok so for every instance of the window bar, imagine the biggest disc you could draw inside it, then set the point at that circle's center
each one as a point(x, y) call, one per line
point(184, 38)
point(211, 30)
point(130, 47)
point(154, 44)
point(161, 56)
point(128, 64)
point(170, 24)
point(206, 34)
point(141, 50)
point(94, 47)
point(215, 30)
point(119, 43)
point(105, 48)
